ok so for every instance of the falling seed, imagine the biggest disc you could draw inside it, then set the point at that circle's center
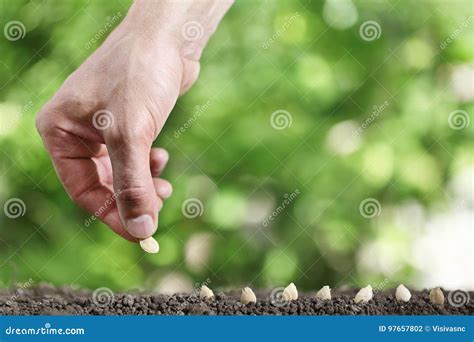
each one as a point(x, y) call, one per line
point(150, 245)
point(324, 293)
point(290, 292)
point(364, 295)
point(437, 296)
point(402, 293)
point(206, 293)
point(248, 296)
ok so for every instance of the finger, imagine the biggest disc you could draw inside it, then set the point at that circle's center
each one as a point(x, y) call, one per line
point(95, 198)
point(158, 160)
point(163, 188)
point(137, 203)
point(83, 168)
point(191, 73)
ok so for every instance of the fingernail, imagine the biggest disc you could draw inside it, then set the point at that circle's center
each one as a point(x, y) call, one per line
point(160, 204)
point(163, 155)
point(141, 227)
point(165, 190)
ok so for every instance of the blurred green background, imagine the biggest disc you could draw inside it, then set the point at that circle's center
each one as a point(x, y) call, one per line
point(383, 117)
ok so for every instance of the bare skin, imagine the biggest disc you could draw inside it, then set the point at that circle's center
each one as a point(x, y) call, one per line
point(100, 125)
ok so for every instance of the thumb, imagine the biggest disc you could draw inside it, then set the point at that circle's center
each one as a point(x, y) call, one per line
point(137, 202)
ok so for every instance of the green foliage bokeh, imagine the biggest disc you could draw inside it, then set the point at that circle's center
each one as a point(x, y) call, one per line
point(230, 156)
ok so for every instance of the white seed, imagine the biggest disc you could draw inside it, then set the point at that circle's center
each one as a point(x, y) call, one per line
point(248, 296)
point(150, 245)
point(324, 293)
point(290, 292)
point(437, 296)
point(206, 293)
point(402, 293)
point(364, 295)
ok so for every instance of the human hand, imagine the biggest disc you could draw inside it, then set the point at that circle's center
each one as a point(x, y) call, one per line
point(100, 125)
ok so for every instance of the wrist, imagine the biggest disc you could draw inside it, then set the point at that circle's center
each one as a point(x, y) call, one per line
point(185, 25)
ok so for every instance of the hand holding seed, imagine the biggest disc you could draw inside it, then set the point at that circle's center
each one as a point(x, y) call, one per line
point(100, 125)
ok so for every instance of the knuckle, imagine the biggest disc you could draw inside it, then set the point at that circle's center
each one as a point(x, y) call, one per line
point(113, 138)
point(41, 120)
point(39, 123)
point(134, 197)
point(48, 118)
point(127, 133)
point(130, 125)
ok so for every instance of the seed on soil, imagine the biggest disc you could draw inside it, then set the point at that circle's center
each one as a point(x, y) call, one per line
point(402, 293)
point(437, 296)
point(290, 292)
point(206, 293)
point(364, 295)
point(46, 299)
point(150, 245)
point(324, 293)
point(248, 296)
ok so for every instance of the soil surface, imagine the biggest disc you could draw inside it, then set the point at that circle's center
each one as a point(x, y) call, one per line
point(48, 300)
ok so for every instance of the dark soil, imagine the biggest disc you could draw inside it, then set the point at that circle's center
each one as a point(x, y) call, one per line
point(47, 300)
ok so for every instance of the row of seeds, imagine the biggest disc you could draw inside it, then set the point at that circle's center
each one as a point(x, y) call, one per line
point(365, 294)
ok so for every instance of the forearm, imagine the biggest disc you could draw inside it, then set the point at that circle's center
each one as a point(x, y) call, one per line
point(186, 24)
